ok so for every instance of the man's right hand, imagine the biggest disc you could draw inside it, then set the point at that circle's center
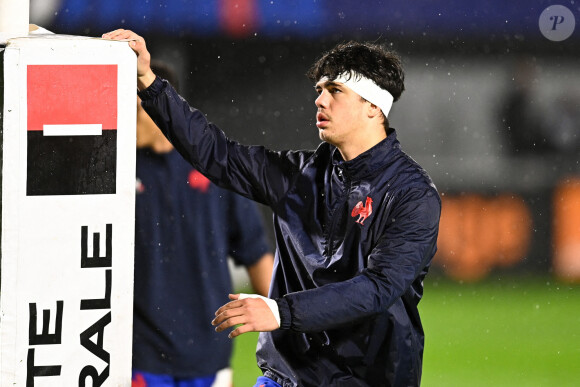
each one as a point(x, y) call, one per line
point(145, 76)
point(246, 313)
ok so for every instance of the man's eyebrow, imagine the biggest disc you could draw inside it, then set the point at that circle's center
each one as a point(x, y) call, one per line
point(320, 85)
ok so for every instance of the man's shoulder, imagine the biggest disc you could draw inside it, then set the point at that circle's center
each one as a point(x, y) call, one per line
point(409, 173)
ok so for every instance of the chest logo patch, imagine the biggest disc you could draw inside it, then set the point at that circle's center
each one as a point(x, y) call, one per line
point(363, 211)
point(139, 186)
point(198, 181)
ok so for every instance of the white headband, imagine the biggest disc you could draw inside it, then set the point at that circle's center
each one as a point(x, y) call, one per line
point(366, 88)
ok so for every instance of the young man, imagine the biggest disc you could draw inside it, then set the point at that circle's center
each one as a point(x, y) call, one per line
point(186, 228)
point(356, 225)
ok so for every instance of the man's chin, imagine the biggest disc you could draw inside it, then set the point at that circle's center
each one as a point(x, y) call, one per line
point(325, 136)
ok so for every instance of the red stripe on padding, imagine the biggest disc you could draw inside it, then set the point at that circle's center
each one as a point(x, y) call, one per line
point(72, 94)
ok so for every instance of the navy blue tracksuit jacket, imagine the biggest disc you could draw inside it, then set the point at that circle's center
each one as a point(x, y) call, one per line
point(354, 240)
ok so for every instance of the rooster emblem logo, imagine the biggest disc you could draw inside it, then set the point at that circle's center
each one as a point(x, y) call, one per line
point(362, 211)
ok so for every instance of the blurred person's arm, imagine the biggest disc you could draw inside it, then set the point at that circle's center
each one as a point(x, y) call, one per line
point(260, 274)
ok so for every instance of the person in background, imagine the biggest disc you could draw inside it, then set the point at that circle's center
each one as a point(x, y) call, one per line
point(356, 224)
point(186, 227)
point(522, 118)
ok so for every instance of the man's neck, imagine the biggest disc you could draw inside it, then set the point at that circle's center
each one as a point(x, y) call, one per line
point(352, 150)
point(158, 145)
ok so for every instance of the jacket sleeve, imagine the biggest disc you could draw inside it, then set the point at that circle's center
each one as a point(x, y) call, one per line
point(252, 171)
point(402, 253)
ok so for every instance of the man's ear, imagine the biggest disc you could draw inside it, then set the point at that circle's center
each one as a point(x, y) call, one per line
point(373, 110)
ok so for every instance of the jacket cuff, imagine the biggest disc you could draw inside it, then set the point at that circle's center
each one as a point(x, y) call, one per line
point(285, 315)
point(153, 90)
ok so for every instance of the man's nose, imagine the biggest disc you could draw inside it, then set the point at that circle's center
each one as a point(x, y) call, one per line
point(322, 100)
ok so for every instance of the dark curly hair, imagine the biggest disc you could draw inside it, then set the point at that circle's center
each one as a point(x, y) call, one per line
point(371, 60)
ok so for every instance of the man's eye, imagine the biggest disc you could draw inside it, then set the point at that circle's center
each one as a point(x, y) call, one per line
point(335, 90)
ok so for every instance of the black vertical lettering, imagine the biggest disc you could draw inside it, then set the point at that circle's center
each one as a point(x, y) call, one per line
point(33, 371)
point(96, 260)
point(87, 338)
point(91, 371)
point(100, 303)
point(44, 337)
point(98, 329)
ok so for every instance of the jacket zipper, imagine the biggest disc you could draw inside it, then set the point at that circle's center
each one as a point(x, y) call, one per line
point(339, 207)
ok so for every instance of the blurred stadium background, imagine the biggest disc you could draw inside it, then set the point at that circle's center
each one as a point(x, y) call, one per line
point(491, 110)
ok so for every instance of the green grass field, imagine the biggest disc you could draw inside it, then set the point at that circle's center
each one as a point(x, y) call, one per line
point(501, 332)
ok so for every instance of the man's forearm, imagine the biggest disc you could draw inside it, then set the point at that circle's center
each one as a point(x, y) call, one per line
point(145, 80)
point(261, 273)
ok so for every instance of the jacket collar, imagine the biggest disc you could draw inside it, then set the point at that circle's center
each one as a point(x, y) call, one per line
point(368, 162)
